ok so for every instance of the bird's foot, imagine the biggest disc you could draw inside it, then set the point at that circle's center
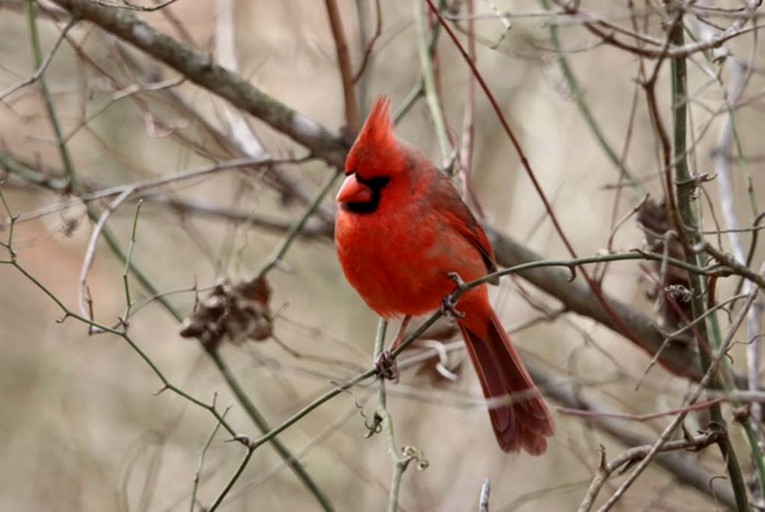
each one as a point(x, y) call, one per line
point(449, 303)
point(386, 366)
point(449, 309)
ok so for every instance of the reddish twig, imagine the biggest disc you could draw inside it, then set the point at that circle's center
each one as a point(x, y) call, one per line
point(371, 43)
point(352, 114)
point(468, 122)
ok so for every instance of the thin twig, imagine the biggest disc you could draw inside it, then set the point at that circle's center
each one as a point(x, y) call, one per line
point(202, 70)
point(87, 261)
point(128, 264)
point(483, 501)
point(226, 54)
point(639, 453)
point(426, 55)
point(592, 124)
point(42, 65)
point(468, 123)
point(231, 481)
point(124, 4)
point(297, 227)
point(371, 43)
point(150, 184)
point(709, 376)
point(347, 78)
point(623, 326)
point(201, 464)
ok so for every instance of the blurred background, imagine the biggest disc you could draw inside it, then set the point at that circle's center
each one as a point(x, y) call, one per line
point(84, 425)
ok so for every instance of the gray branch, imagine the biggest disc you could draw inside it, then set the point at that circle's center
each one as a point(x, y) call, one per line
point(203, 71)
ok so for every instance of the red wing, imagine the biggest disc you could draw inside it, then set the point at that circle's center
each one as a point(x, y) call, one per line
point(446, 200)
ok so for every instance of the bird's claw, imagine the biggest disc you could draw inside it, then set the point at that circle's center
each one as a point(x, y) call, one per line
point(386, 366)
point(449, 309)
point(449, 303)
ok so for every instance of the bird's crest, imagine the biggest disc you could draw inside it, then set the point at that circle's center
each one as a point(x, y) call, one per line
point(378, 127)
point(376, 149)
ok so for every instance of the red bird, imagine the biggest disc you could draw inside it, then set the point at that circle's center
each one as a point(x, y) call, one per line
point(402, 231)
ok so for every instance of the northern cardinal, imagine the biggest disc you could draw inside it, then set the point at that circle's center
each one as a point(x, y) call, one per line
point(402, 233)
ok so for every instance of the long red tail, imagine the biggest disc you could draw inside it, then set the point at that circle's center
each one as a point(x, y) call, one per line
point(523, 420)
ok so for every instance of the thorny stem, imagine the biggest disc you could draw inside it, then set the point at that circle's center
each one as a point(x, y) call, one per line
point(166, 384)
point(200, 466)
point(705, 382)
point(686, 188)
point(635, 454)
point(739, 74)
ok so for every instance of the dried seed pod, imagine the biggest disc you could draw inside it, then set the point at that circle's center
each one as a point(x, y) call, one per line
point(233, 312)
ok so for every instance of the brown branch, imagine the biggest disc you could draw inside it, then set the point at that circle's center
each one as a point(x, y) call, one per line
point(682, 467)
point(597, 294)
point(200, 69)
point(468, 122)
point(371, 43)
point(638, 453)
point(352, 114)
point(579, 298)
point(607, 34)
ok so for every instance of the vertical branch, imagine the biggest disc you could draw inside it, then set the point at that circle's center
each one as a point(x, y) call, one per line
point(384, 422)
point(361, 76)
point(429, 83)
point(619, 322)
point(686, 187)
point(722, 160)
point(74, 180)
point(226, 55)
point(468, 121)
point(352, 115)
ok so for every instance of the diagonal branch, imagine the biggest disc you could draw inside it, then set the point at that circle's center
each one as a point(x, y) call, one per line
point(203, 71)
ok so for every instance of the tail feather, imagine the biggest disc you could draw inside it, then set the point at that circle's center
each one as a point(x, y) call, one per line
point(518, 412)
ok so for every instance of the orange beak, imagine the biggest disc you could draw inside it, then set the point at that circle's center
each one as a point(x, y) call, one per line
point(352, 191)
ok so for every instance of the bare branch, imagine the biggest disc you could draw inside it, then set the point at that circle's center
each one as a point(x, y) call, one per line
point(200, 69)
